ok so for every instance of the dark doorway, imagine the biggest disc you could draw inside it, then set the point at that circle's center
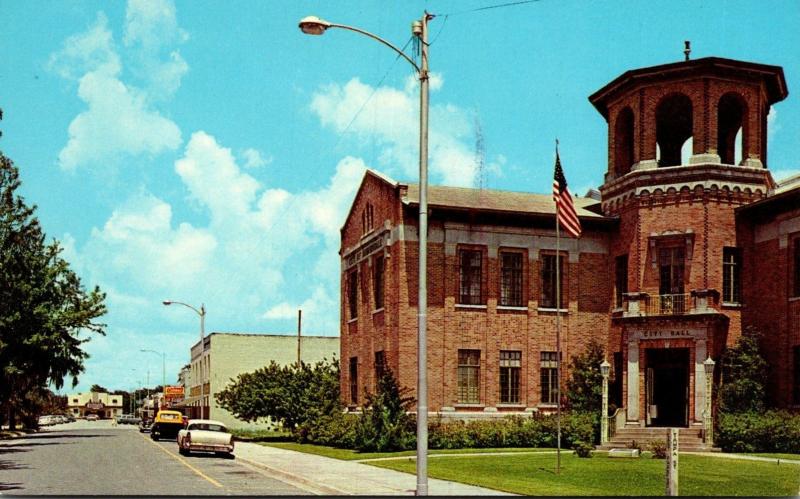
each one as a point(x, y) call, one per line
point(667, 387)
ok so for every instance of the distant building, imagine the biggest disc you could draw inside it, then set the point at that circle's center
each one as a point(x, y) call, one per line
point(105, 405)
point(223, 356)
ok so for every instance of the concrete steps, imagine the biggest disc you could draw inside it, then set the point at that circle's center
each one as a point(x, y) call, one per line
point(689, 439)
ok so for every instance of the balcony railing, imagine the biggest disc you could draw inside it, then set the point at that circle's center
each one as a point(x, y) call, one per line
point(699, 301)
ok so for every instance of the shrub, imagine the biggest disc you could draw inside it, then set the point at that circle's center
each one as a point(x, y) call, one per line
point(770, 431)
point(635, 445)
point(582, 449)
point(659, 449)
point(335, 430)
point(744, 370)
point(385, 424)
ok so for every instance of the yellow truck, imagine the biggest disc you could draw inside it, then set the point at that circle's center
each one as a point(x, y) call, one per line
point(166, 425)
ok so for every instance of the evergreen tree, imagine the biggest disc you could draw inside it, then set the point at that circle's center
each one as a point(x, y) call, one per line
point(385, 423)
point(585, 385)
point(43, 306)
point(743, 373)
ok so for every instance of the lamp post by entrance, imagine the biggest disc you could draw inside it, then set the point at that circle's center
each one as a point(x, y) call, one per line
point(604, 368)
point(708, 419)
point(313, 25)
point(202, 313)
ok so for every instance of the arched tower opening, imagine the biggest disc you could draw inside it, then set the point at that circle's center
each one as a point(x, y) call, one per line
point(731, 114)
point(623, 142)
point(674, 126)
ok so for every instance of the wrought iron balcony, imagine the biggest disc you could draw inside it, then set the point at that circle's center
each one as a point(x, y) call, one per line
point(641, 304)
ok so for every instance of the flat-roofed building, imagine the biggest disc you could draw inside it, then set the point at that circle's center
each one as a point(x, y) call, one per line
point(105, 405)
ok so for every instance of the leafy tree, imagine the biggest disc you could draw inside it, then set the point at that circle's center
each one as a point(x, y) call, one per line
point(743, 373)
point(585, 385)
point(289, 395)
point(43, 305)
point(385, 424)
point(99, 389)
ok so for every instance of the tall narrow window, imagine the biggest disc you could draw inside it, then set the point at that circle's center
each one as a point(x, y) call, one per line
point(510, 279)
point(796, 369)
point(470, 277)
point(796, 267)
point(469, 370)
point(548, 368)
point(548, 298)
point(377, 281)
point(352, 293)
point(354, 380)
point(731, 275)
point(510, 368)
point(671, 262)
point(380, 366)
point(621, 278)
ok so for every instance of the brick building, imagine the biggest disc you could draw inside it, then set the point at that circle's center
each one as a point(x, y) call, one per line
point(689, 240)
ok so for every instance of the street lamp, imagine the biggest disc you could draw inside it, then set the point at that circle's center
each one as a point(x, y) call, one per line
point(202, 313)
point(313, 25)
point(604, 369)
point(708, 420)
point(163, 368)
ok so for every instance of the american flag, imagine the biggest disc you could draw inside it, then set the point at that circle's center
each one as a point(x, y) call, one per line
point(565, 210)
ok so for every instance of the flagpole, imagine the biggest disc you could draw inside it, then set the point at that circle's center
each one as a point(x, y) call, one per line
point(558, 340)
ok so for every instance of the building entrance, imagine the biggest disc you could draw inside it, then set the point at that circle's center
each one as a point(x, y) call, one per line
point(667, 387)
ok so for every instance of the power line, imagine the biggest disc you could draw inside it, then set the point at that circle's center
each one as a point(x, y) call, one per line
point(489, 7)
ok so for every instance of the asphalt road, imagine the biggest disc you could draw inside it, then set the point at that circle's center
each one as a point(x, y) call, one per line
point(96, 458)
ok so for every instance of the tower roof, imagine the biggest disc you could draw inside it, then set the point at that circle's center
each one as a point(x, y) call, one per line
point(772, 76)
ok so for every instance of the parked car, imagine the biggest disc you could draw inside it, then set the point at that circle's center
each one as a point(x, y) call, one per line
point(166, 425)
point(145, 425)
point(205, 435)
point(46, 421)
point(92, 417)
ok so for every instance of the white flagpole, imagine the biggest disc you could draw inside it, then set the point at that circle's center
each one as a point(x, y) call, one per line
point(558, 336)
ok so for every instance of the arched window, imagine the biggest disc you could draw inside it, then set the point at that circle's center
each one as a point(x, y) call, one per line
point(623, 142)
point(673, 127)
point(730, 118)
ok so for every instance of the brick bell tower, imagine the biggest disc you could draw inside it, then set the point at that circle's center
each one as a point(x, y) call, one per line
point(687, 144)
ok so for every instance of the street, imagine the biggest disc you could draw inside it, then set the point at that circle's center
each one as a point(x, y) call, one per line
point(96, 458)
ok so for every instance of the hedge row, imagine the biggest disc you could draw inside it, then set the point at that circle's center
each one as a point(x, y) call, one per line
point(536, 430)
point(770, 431)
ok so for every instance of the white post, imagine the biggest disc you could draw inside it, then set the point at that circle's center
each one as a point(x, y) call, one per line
point(604, 367)
point(672, 462)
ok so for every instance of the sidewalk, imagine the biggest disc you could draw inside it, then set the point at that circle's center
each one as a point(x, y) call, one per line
point(327, 476)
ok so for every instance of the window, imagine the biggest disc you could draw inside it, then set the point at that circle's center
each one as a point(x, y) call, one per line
point(380, 366)
point(470, 277)
point(352, 293)
point(731, 275)
point(549, 291)
point(367, 218)
point(796, 385)
point(377, 281)
point(670, 262)
point(510, 279)
point(796, 267)
point(354, 380)
point(469, 368)
point(510, 368)
point(620, 278)
point(549, 377)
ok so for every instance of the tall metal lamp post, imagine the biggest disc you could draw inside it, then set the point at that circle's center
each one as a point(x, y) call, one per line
point(605, 367)
point(202, 313)
point(163, 368)
point(313, 25)
point(708, 419)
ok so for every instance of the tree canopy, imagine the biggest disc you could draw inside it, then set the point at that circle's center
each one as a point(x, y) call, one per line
point(44, 308)
point(585, 385)
point(743, 373)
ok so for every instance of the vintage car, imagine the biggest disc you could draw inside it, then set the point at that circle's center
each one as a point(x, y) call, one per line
point(166, 425)
point(205, 435)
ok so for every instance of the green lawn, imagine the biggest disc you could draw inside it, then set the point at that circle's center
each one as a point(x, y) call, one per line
point(351, 455)
point(532, 474)
point(793, 457)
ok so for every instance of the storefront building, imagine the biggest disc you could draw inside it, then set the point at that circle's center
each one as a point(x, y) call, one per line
point(688, 241)
point(104, 405)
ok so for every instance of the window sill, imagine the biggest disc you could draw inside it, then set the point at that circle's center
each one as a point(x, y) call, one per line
point(510, 405)
point(731, 305)
point(794, 298)
point(547, 406)
point(352, 320)
point(377, 311)
point(476, 405)
point(468, 307)
point(553, 310)
point(512, 309)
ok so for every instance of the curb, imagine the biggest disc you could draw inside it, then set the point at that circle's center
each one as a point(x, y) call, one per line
point(293, 479)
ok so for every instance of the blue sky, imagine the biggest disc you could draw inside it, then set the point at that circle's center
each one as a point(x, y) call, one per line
point(207, 152)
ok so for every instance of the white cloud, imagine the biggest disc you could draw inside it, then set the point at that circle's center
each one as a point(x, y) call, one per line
point(253, 158)
point(390, 117)
point(773, 125)
point(121, 118)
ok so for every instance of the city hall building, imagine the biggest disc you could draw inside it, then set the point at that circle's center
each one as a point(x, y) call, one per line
point(677, 256)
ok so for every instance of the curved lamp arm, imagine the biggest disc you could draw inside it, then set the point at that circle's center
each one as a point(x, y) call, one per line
point(312, 25)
